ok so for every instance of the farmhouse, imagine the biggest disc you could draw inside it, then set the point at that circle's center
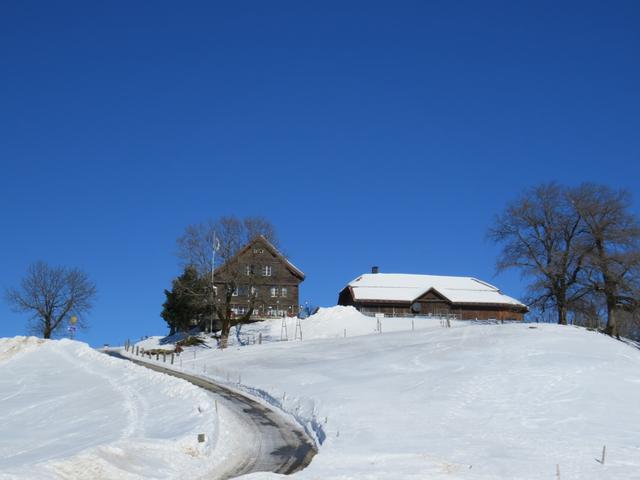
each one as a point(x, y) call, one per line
point(402, 294)
point(264, 280)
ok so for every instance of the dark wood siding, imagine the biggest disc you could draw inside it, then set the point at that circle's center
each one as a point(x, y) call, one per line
point(270, 271)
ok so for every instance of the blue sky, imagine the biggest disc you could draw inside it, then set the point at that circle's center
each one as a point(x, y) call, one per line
point(369, 133)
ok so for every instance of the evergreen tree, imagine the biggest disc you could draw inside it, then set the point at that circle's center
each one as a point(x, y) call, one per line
point(186, 302)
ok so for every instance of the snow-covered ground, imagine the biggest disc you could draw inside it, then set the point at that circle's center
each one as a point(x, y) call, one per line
point(67, 411)
point(512, 401)
point(414, 401)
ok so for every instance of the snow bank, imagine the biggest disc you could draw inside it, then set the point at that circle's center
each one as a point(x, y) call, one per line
point(157, 343)
point(339, 321)
point(68, 411)
point(332, 322)
point(10, 347)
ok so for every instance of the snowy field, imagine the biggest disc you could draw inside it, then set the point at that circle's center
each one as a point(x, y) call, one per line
point(67, 411)
point(414, 401)
point(513, 401)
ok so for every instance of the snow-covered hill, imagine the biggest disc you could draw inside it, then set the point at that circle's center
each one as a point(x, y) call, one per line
point(513, 401)
point(417, 401)
point(67, 411)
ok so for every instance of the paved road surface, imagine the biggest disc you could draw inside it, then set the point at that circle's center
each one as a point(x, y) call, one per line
point(273, 442)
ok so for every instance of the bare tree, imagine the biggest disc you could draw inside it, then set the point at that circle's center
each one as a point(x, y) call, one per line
point(52, 295)
point(613, 263)
point(543, 236)
point(222, 239)
point(212, 248)
point(588, 311)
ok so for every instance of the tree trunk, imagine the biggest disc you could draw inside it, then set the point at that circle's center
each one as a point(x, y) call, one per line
point(562, 315)
point(224, 334)
point(612, 326)
point(46, 331)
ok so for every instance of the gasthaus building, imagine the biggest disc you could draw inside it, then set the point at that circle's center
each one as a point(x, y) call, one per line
point(405, 294)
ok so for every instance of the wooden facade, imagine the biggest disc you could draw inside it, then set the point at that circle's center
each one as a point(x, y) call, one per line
point(264, 279)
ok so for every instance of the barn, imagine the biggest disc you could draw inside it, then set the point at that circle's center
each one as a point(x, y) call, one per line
point(406, 294)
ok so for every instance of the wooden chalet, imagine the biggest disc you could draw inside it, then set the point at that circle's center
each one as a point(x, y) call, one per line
point(263, 278)
point(400, 294)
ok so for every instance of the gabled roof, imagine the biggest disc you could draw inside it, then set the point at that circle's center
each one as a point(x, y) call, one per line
point(398, 287)
point(269, 246)
point(292, 268)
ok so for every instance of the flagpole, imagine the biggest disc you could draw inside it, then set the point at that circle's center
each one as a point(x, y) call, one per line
point(214, 247)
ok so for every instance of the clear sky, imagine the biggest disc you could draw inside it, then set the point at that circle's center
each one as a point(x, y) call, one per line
point(370, 133)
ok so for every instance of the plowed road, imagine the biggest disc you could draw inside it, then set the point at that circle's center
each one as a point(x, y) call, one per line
point(271, 442)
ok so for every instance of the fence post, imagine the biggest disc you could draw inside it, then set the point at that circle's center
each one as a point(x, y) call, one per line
point(260, 338)
point(136, 350)
point(172, 355)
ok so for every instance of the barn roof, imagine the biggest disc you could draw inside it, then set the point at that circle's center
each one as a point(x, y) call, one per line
point(399, 287)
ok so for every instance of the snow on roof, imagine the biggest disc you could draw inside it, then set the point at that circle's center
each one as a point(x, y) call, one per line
point(407, 288)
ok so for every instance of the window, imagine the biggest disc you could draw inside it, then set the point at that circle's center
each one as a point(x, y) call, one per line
point(283, 292)
point(266, 271)
point(249, 270)
point(254, 291)
point(275, 312)
point(274, 291)
point(235, 293)
point(258, 250)
point(243, 290)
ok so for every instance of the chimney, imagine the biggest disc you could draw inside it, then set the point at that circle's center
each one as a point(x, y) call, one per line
point(375, 269)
